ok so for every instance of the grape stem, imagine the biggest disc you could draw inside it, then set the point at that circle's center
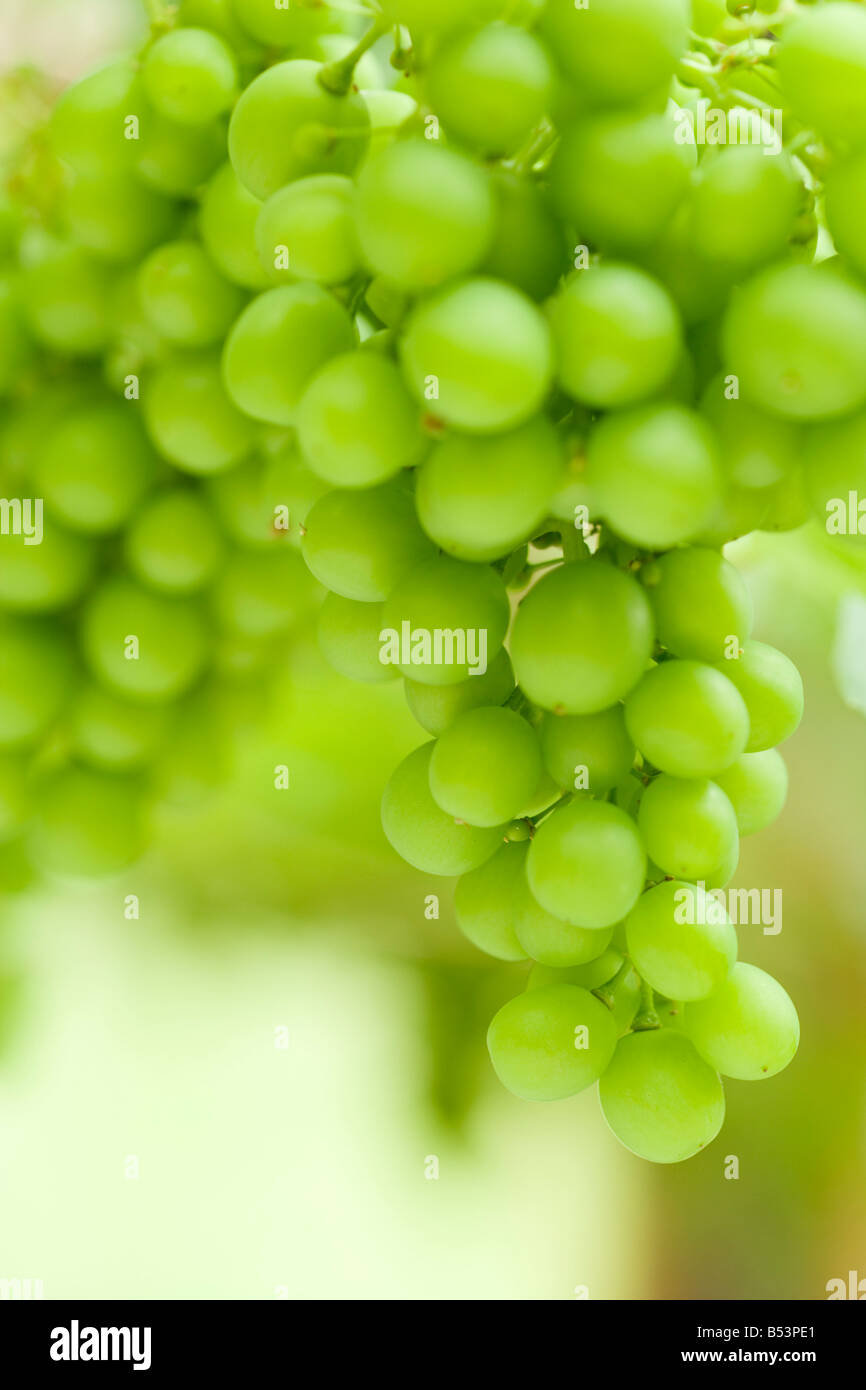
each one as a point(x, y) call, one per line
point(646, 1017)
point(573, 545)
point(337, 77)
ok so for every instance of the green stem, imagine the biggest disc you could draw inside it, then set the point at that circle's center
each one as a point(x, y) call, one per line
point(574, 547)
point(539, 141)
point(337, 77)
point(646, 1018)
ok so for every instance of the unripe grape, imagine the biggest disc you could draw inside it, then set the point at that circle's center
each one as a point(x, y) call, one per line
point(423, 834)
point(772, 689)
point(595, 972)
point(699, 601)
point(681, 940)
point(490, 87)
point(184, 296)
point(617, 51)
point(443, 596)
point(227, 223)
point(689, 826)
point(757, 785)
point(551, 1043)
point(357, 423)
point(590, 752)
point(822, 67)
point(688, 719)
point(190, 417)
point(485, 766)
point(587, 864)
point(361, 542)
point(484, 903)
point(310, 225)
point(748, 1028)
point(660, 1098)
point(550, 940)
point(174, 544)
point(170, 634)
point(349, 636)
point(437, 706)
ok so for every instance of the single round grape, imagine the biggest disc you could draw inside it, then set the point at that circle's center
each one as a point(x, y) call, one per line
point(286, 27)
point(743, 207)
point(688, 719)
point(772, 689)
point(423, 834)
point(593, 973)
point(66, 293)
point(796, 339)
point(267, 500)
point(15, 805)
point(88, 824)
point(437, 706)
point(617, 336)
point(617, 51)
point(423, 213)
point(490, 87)
point(581, 638)
point(174, 544)
point(485, 766)
point(143, 645)
point(190, 418)
point(688, 825)
point(484, 903)
point(177, 159)
point(453, 616)
point(278, 344)
point(699, 602)
point(528, 249)
point(479, 497)
point(227, 222)
point(681, 940)
point(757, 449)
point(46, 577)
point(587, 752)
point(361, 542)
point(88, 120)
point(551, 941)
point(219, 17)
point(349, 636)
point(357, 423)
point(184, 296)
point(36, 675)
point(190, 75)
point(479, 355)
point(822, 68)
point(757, 786)
point(660, 1098)
point(587, 864)
point(115, 735)
point(95, 466)
point(619, 178)
point(748, 1029)
point(551, 1043)
point(286, 126)
point(654, 472)
point(116, 216)
point(306, 231)
point(263, 593)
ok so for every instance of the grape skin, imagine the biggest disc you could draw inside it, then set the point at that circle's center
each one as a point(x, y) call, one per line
point(660, 1098)
point(532, 1042)
point(421, 832)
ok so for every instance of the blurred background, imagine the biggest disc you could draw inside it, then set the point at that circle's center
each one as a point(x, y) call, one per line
point(272, 1081)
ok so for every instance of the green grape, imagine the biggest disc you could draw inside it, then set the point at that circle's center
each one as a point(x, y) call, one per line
point(748, 1029)
point(490, 87)
point(285, 27)
point(15, 342)
point(772, 689)
point(654, 472)
point(46, 577)
point(218, 16)
point(424, 214)
point(551, 1043)
point(116, 216)
point(528, 247)
point(688, 719)
point(190, 418)
point(479, 352)
point(264, 592)
point(177, 159)
point(227, 222)
point(743, 207)
point(184, 296)
point(423, 834)
point(699, 602)
point(306, 231)
point(587, 752)
point(796, 339)
point(143, 645)
point(581, 638)
point(267, 500)
point(173, 543)
point(619, 178)
point(357, 423)
point(420, 17)
point(724, 872)
point(479, 497)
point(113, 734)
point(485, 766)
point(757, 786)
point(190, 76)
point(699, 287)
point(14, 796)
point(36, 676)
point(361, 543)
point(835, 466)
point(617, 51)
point(688, 825)
point(484, 903)
point(445, 620)
point(681, 940)
point(94, 466)
point(550, 940)
point(437, 706)
point(822, 68)
point(349, 637)
point(617, 336)
point(593, 973)
point(278, 344)
point(66, 293)
point(586, 864)
point(88, 122)
point(286, 126)
point(388, 110)
point(660, 1098)
point(845, 207)
point(88, 824)
point(757, 449)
